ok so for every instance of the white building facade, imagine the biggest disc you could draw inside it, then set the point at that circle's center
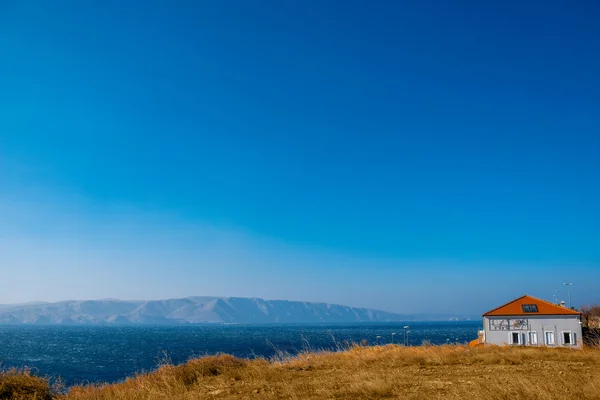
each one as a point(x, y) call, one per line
point(529, 321)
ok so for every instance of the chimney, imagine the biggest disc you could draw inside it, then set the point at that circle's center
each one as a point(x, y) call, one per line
point(562, 303)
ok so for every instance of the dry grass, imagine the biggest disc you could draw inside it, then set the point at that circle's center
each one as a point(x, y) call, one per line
point(387, 372)
point(21, 385)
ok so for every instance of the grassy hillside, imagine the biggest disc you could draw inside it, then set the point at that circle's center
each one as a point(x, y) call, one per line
point(427, 372)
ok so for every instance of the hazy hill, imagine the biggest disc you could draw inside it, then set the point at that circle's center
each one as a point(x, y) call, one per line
point(191, 310)
point(186, 310)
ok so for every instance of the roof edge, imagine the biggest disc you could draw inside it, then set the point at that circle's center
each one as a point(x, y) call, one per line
point(503, 305)
point(570, 311)
point(575, 313)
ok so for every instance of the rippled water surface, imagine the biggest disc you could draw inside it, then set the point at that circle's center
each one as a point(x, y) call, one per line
point(109, 354)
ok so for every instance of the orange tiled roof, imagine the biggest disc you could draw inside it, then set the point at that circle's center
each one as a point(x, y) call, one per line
point(544, 308)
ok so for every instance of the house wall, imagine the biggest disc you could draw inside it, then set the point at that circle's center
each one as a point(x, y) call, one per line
point(539, 324)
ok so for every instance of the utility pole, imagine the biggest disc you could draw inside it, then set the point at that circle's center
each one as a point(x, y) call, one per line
point(568, 285)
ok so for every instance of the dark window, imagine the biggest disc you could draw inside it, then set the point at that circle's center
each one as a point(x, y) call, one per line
point(567, 336)
point(529, 308)
point(515, 338)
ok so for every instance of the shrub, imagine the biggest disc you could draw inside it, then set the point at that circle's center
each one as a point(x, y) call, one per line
point(193, 370)
point(591, 316)
point(21, 385)
point(591, 337)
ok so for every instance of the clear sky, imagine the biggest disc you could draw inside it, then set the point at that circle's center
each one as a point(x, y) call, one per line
point(409, 156)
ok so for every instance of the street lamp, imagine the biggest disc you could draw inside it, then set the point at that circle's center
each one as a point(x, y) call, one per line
point(568, 285)
point(393, 334)
point(556, 300)
point(378, 337)
point(406, 335)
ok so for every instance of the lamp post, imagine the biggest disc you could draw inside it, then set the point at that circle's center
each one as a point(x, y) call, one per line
point(378, 337)
point(568, 285)
point(393, 334)
point(556, 300)
point(406, 335)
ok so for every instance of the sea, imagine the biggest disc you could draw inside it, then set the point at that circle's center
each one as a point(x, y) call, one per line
point(92, 354)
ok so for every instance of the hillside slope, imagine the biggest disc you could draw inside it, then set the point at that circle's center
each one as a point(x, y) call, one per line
point(190, 310)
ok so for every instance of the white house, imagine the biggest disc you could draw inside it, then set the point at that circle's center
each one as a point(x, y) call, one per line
point(529, 321)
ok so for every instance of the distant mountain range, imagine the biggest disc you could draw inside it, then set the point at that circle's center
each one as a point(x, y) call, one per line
point(194, 310)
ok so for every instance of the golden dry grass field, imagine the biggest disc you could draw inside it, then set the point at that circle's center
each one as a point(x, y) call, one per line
point(387, 372)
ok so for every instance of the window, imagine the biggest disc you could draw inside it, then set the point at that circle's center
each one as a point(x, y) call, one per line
point(532, 337)
point(529, 308)
point(498, 324)
point(515, 338)
point(567, 338)
point(549, 337)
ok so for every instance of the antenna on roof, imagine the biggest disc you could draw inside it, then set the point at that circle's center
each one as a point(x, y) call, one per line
point(568, 285)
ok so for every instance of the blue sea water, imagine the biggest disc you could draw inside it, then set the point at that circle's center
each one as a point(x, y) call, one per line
point(84, 354)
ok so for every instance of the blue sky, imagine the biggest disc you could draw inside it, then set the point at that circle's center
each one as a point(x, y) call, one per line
point(409, 156)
